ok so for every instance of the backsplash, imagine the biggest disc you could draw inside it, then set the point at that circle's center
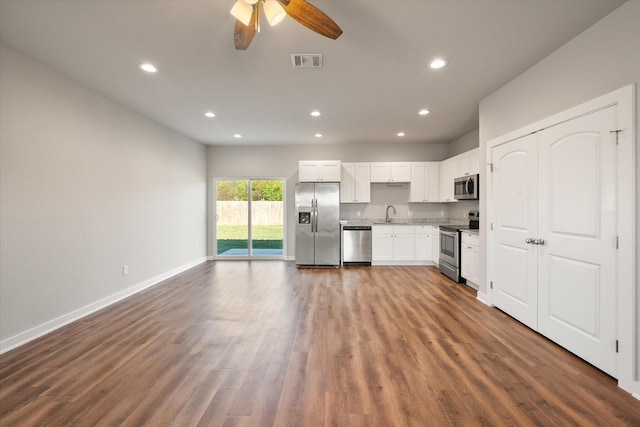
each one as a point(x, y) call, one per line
point(397, 195)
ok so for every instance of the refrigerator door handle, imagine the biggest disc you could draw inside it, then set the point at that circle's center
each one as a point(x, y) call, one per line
point(313, 215)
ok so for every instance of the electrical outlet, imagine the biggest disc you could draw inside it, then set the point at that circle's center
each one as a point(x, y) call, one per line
point(358, 213)
point(441, 213)
point(410, 213)
point(197, 246)
point(125, 270)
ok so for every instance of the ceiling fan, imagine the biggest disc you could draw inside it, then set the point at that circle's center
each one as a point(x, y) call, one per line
point(247, 14)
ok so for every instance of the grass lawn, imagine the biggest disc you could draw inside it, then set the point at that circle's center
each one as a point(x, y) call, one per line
point(235, 237)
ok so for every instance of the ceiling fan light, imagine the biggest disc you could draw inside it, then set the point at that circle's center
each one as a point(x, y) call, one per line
point(242, 11)
point(251, 1)
point(274, 12)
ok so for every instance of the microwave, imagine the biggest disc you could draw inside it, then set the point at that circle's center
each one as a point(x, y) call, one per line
point(466, 187)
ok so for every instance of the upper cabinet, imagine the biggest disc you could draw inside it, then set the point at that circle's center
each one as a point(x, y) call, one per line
point(468, 163)
point(448, 172)
point(355, 183)
point(430, 182)
point(319, 171)
point(425, 179)
point(391, 172)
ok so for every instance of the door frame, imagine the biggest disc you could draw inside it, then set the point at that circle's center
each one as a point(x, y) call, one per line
point(214, 236)
point(626, 299)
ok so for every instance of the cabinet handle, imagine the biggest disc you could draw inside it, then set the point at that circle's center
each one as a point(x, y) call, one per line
point(528, 241)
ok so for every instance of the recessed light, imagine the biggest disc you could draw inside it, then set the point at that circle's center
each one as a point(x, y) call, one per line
point(401, 134)
point(210, 114)
point(424, 112)
point(318, 135)
point(315, 113)
point(237, 135)
point(148, 67)
point(438, 63)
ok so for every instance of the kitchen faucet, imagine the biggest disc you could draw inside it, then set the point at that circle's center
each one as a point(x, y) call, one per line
point(387, 219)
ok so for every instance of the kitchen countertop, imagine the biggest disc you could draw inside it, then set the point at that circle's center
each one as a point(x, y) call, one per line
point(472, 231)
point(401, 221)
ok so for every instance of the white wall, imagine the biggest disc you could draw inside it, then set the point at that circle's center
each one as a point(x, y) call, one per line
point(282, 161)
point(603, 58)
point(464, 143)
point(86, 186)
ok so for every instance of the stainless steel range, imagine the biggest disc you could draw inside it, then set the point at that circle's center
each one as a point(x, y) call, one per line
point(450, 246)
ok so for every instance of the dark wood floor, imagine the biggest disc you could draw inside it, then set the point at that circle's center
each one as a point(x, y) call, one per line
point(261, 344)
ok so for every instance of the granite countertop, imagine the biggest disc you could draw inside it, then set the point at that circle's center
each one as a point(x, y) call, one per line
point(472, 231)
point(401, 221)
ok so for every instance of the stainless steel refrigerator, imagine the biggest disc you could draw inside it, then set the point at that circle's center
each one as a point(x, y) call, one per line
point(318, 224)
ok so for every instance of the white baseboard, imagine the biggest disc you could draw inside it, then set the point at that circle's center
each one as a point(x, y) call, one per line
point(635, 389)
point(482, 297)
point(50, 326)
point(408, 263)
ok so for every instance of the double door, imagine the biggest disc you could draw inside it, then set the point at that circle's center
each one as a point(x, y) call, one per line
point(553, 251)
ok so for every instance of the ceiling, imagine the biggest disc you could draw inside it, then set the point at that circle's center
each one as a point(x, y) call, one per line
point(375, 78)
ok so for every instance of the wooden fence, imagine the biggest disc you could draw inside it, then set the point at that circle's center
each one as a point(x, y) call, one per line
point(236, 213)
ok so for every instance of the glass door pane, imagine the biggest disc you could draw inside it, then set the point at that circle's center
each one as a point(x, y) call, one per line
point(232, 218)
point(267, 217)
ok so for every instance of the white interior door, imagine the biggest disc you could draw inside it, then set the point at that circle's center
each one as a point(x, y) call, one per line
point(577, 220)
point(514, 265)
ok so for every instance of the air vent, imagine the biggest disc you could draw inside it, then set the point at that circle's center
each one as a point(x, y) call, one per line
point(306, 60)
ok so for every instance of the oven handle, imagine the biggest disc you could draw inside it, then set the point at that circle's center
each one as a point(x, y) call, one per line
point(449, 233)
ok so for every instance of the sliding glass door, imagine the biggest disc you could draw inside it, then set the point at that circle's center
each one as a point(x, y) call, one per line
point(249, 218)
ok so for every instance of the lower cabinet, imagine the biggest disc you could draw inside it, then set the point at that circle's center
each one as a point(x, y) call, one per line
point(470, 258)
point(435, 244)
point(424, 247)
point(402, 245)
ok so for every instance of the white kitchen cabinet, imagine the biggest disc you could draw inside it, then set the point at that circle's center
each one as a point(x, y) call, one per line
point(468, 163)
point(425, 182)
point(424, 245)
point(455, 167)
point(355, 183)
point(390, 172)
point(382, 243)
point(448, 172)
point(470, 258)
point(404, 243)
point(435, 244)
point(393, 243)
point(319, 171)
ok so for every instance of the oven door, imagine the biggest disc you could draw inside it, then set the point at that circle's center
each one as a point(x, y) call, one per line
point(449, 247)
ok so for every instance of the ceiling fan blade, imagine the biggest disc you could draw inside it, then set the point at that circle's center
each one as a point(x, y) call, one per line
point(311, 17)
point(243, 34)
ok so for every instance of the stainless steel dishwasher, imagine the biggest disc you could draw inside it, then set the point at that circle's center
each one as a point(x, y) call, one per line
point(356, 245)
